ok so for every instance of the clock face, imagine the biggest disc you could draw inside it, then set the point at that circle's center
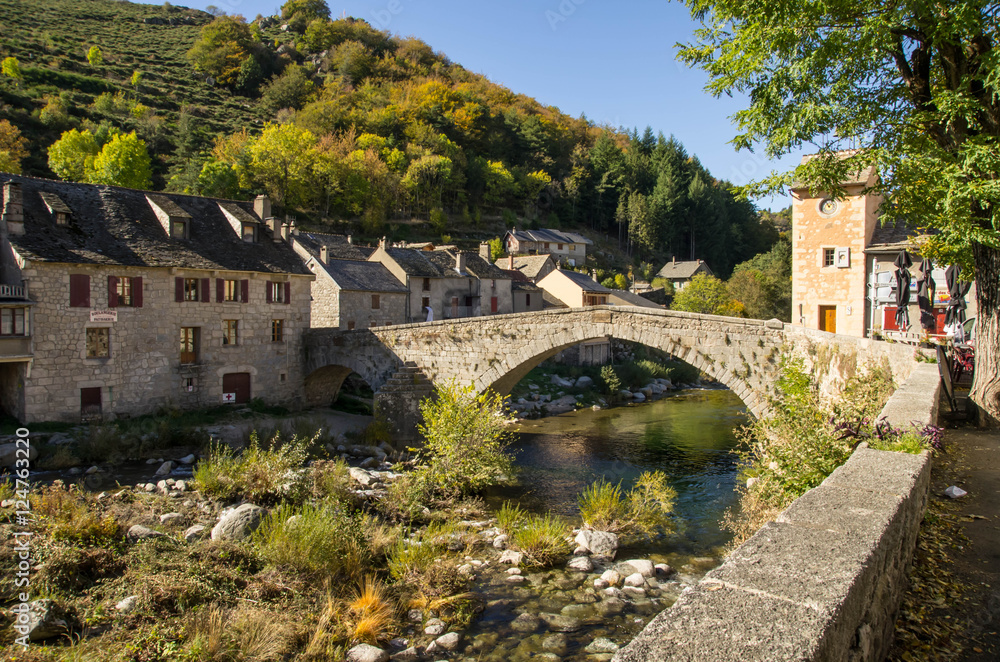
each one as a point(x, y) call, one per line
point(828, 206)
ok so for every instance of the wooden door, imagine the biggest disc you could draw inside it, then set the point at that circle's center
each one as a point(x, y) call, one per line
point(237, 383)
point(828, 318)
point(90, 401)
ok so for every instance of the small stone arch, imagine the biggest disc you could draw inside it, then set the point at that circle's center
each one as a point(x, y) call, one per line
point(323, 384)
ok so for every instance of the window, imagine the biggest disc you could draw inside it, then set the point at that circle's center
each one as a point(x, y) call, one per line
point(283, 377)
point(12, 322)
point(124, 292)
point(278, 292)
point(828, 257)
point(425, 303)
point(190, 289)
point(350, 325)
point(277, 330)
point(372, 324)
point(230, 332)
point(98, 343)
point(527, 298)
point(376, 302)
point(427, 285)
point(232, 290)
point(248, 232)
point(189, 344)
point(178, 229)
point(79, 291)
point(558, 247)
point(124, 289)
point(189, 384)
point(62, 218)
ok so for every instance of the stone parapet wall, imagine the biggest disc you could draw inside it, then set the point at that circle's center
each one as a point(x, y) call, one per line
point(822, 583)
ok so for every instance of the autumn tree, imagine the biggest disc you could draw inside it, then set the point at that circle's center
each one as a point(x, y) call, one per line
point(281, 159)
point(707, 295)
point(13, 148)
point(72, 156)
point(909, 86)
point(11, 68)
point(763, 284)
point(123, 161)
point(95, 57)
point(222, 47)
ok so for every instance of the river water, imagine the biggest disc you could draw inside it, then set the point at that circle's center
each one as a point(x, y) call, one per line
point(691, 437)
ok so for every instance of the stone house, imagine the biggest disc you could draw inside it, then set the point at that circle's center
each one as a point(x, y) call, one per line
point(134, 301)
point(565, 247)
point(576, 290)
point(680, 273)
point(843, 276)
point(442, 282)
point(527, 296)
point(534, 267)
point(349, 292)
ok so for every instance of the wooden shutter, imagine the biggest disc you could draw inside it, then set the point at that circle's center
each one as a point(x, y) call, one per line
point(137, 292)
point(206, 293)
point(112, 291)
point(288, 292)
point(79, 290)
point(220, 290)
point(178, 289)
point(245, 290)
point(270, 291)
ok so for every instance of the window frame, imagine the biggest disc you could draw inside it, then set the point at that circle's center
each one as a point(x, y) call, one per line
point(236, 291)
point(192, 289)
point(376, 302)
point(230, 333)
point(829, 257)
point(11, 318)
point(277, 330)
point(97, 331)
point(189, 339)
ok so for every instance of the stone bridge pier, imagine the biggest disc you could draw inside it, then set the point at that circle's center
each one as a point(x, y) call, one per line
point(403, 363)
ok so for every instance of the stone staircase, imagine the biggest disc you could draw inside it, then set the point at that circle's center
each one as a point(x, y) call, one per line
point(399, 399)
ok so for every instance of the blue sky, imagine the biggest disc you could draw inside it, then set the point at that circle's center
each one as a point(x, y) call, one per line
point(614, 61)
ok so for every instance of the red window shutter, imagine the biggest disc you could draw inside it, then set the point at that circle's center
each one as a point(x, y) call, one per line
point(220, 290)
point(79, 290)
point(112, 291)
point(137, 292)
point(206, 290)
point(178, 289)
point(270, 291)
point(245, 290)
point(288, 292)
point(493, 304)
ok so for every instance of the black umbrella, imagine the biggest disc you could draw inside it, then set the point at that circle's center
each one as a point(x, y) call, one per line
point(903, 264)
point(956, 293)
point(925, 296)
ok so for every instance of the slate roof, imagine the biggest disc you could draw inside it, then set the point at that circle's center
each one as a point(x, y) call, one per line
point(682, 269)
point(338, 248)
point(550, 300)
point(585, 282)
point(445, 262)
point(893, 237)
point(363, 276)
point(524, 286)
point(480, 268)
point(854, 178)
point(626, 298)
point(551, 236)
point(117, 226)
point(416, 264)
point(529, 265)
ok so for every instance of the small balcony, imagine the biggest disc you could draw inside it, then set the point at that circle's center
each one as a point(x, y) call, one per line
point(19, 292)
point(15, 348)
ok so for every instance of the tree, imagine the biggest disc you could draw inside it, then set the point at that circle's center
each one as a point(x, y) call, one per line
point(221, 49)
point(281, 159)
point(309, 9)
point(763, 284)
point(124, 161)
point(72, 156)
point(13, 148)
point(95, 57)
point(11, 68)
point(911, 84)
point(291, 89)
point(497, 249)
point(708, 295)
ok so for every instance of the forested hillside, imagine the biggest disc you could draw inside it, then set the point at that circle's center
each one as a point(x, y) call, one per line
point(340, 122)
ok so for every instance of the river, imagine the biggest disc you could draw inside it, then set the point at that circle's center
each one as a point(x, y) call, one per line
point(690, 436)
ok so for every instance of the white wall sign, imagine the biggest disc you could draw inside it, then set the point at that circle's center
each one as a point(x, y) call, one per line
point(843, 258)
point(229, 397)
point(104, 316)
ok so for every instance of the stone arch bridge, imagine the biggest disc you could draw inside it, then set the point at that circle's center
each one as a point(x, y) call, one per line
point(401, 363)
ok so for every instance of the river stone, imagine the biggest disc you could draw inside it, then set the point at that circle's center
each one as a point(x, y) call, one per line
point(435, 627)
point(556, 643)
point(194, 532)
point(601, 584)
point(614, 592)
point(449, 641)
point(367, 653)
point(513, 571)
point(611, 606)
point(525, 623)
point(601, 543)
point(580, 564)
point(47, 619)
point(127, 605)
point(239, 523)
point(663, 569)
point(584, 382)
point(612, 577)
point(635, 580)
point(642, 566)
point(560, 623)
point(601, 645)
point(188, 459)
point(361, 476)
point(638, 396)
point(171, 518)
point(9, 456)
point(500, 542)
point(577, 611)
point(139, 532)
point(165, 468)
point(511, 557)
point(634, 592)
point(516, 579)
point(410, 654)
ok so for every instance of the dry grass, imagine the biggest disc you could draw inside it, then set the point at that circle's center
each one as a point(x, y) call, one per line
point(372, 611)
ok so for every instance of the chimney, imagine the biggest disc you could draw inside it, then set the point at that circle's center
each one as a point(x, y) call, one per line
point(286, 231)
point(484, 251)
point(593, 274)
point(460, 262)
point(262, 207)
point(13, 208)
point(381, 243)
point(673, 259)
point(294, 229)
point(510, 262)
point(324, 254)
point(274, 225)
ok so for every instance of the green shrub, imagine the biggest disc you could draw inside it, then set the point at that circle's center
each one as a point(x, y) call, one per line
point(406, 498)
point(331, 481)
point(421, 564)
point(610, 378)
point(259, 474)
point(466, 437)
point(542, 539)
point(320, 541)
point(645, 509)
point(509, 517)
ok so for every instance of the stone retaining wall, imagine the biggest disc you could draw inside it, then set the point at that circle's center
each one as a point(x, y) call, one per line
point(822, 583)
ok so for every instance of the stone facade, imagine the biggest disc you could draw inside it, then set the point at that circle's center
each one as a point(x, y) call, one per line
point(143, 370)
point(497, 352)
point(565, 247)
